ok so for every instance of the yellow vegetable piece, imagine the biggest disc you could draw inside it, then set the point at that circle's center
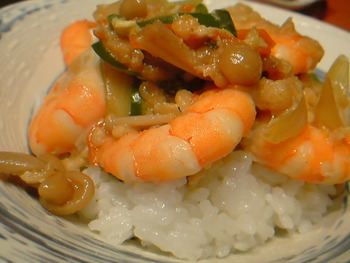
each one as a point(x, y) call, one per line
point(333, 105)
point(289, 123)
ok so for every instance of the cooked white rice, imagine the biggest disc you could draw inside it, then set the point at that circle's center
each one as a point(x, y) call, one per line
point(236, 206)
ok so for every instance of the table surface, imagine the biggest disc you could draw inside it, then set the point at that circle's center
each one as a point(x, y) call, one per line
point(336, 12)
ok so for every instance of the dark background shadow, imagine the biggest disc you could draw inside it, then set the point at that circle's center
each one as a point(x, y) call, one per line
point(7, 2)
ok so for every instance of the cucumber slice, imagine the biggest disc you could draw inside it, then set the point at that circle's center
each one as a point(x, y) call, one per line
point(122, 96)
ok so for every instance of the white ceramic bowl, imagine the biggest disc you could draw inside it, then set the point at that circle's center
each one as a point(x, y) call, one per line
point(30, 62)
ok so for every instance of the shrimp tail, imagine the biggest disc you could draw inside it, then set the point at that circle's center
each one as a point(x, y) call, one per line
point(75, 39)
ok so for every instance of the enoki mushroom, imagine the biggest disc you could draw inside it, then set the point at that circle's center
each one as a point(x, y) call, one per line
point(61, 192)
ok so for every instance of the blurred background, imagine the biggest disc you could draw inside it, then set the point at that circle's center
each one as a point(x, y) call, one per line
point(336, 12)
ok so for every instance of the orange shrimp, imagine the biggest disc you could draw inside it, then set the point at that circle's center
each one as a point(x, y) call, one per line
point(209, 130)
point(312, 139)
point(314, 155)
point(75, 39)
point(302, 52)
point(74, 104)
point(76, 100)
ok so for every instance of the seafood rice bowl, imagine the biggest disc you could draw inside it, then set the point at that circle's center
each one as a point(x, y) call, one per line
point(176, 131)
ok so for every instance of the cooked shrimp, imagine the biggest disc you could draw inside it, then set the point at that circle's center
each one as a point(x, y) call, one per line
point(73, 105)
point(311, 140)
point(209, 130)
point(315, 155)
point(301, 51)
point(75, 39)
point(76, 100)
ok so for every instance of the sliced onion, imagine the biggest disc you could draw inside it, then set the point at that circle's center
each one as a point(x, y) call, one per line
point(332, 108)
point(158, 40)
point(289, 123)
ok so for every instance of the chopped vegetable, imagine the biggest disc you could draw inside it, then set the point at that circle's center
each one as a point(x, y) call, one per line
point(106, 56)
point(117, 86)
point(159, 41)
point(220, 18)
point(122, 97)
point(161, 51)
point(295, 118)
point(201, 8)
point(332, 108)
